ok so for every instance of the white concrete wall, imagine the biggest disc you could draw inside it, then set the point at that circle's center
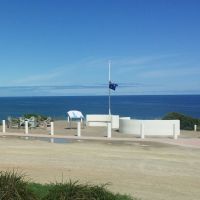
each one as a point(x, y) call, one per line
point(125, 118)
point(150, 127)
point(115, 122)
point(98, 118)
point(91, 123)
point(102, 120)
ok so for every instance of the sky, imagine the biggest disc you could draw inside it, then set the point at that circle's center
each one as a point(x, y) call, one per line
point(62, 47)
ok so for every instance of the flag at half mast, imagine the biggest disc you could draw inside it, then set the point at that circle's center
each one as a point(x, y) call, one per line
point(112, 86)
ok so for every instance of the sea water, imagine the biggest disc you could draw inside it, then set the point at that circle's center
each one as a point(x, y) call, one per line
point(135, 106)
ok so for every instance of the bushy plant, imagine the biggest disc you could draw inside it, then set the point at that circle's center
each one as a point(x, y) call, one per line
point(186, 122)
point(76, 191)
point(40, 190)
point(37, 116)
point(14, 187)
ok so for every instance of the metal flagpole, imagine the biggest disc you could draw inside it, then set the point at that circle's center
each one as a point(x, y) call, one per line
point(109, 87)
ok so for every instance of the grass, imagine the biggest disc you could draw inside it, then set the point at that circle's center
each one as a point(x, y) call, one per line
point(75, 191)
point(14, 187)
point(39, 190)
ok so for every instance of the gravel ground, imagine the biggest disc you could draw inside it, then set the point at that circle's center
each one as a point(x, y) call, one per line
point(145, 169)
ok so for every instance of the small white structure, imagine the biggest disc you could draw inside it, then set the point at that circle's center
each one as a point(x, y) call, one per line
point(26, 127)
point(195, 127)
point(109, 130)
point(4, 126)
point(103, 120)
point(144, 128)
point(74, 114)
point(79, 129)
point(52, 128)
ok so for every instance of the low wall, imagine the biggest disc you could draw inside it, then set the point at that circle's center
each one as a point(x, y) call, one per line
point(102, 120)
point(149, 127)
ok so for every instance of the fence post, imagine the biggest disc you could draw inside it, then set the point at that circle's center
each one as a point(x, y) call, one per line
point(52, 140)
point(26, 127)
point(174, 132)
point(52, 128)
point(142, 130)
point(195, 127)
point(79, 129)
point(109, 130)
point(4, 126)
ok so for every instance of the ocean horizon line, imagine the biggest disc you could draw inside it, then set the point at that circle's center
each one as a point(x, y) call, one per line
point(99, 95)
point(135, 106)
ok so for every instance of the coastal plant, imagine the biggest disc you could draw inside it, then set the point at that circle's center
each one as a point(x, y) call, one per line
point(186, 122)
point(75, 191)
point(40, 190)
point(14, 187)
point(37, 116)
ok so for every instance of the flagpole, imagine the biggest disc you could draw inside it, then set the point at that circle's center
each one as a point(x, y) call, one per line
point(109, 87)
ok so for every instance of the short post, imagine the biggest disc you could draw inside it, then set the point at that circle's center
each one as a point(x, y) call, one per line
point(4, 126)
point(109, 130)
point(52, 128)
point(79, 129)
point(142, 131)
point(174, 132)
point(195, 127)
point(52, 140)
point(26, 127)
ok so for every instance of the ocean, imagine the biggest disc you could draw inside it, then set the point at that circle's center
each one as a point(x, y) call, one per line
point(135, 106)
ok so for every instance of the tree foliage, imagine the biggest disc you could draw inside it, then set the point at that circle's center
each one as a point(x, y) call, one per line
point(186, 122)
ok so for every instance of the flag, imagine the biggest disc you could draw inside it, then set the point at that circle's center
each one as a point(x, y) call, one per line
point(112, 86)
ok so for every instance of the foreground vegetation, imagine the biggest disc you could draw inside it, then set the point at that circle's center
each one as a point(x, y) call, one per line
point(13, 186)
point(186, 122)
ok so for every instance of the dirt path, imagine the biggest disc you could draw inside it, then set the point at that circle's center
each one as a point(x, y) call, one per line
point(148, 170)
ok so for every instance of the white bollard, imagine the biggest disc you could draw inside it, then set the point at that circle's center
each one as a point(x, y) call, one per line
point(79, 129)
point(4, 126)
point(52, 128)
point(52, 140)
point(142, 131)
point(26, 127)
point(109, 130)
point(174, 132)
point(195, 127)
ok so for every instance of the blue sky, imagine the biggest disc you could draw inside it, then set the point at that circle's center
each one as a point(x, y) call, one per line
point(62, 47)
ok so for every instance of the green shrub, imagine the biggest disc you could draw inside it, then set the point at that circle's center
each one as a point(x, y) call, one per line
point(14, 187)
point(37, 116)
point(75, 191)
point(40, 190)
point(186, 122)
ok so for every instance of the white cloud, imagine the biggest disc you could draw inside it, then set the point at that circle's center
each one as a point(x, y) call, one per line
point(142, 75)
point(171, 72)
